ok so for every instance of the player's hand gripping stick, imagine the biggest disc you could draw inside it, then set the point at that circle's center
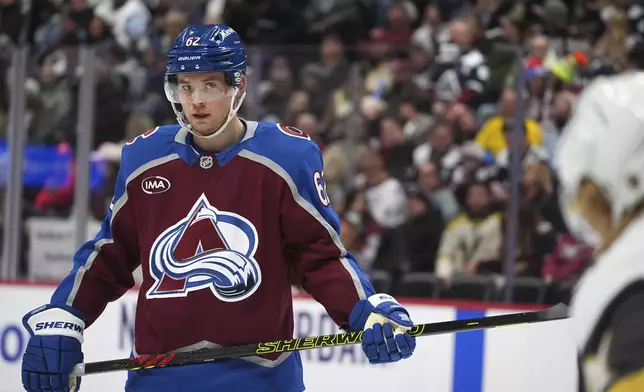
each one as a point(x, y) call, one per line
point(385, 323)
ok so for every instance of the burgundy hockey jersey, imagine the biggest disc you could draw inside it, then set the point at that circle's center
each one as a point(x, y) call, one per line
point(216, 236)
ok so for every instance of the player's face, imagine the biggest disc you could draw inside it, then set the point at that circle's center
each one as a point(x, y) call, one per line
point(206, 100)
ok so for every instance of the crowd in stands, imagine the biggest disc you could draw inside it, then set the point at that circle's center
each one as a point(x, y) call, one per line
point(412, 102)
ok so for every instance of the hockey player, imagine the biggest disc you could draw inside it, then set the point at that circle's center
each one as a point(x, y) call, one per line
point(215, 210)
point(601, 169)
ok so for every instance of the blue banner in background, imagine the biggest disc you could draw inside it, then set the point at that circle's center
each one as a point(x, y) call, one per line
point(49, 166)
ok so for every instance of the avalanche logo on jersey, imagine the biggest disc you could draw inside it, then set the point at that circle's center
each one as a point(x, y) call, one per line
point(208, 249)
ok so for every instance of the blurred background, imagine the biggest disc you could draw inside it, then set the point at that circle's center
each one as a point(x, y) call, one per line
point(438, 121)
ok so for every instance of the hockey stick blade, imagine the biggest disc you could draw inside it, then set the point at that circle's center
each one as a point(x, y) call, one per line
point(557, 312)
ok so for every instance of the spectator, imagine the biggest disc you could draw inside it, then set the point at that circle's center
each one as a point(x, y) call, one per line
point(371, 112)
point(541, 51)
point(336, 166)
point(385, 195)
point(538, 189)
point(299, 103)
point(422, 233)
point(275, 92)
point(430, 184)
point(417, 122)
point(380, 78)
point(129, 20)
point(440, 148)
point(472, 239)
point(540, 90)
point(333, 63)
point(112, 91)
point(52, 102)
point(329, 73)
point(431, 30)
point(99, 33)
point(567, 261)
point(398, 30)
point(472, 167)
point(214, 11)
point(553, 126)
point(462, 73)
point(529, 153)
point(528, 156)
point(464, 125)
point(402, 86)
point(491, 135)
point(420, 61)
point(370, 234)
point(511, 29)
point(174, 22)
point(78, 20)
point(397, 151)
point(536, 240)
point(611, 46)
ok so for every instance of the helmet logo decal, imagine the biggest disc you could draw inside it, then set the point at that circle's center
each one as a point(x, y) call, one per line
point(221, 35)
point(189, 58)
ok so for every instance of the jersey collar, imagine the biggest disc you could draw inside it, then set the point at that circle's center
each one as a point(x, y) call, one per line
point(190, 153)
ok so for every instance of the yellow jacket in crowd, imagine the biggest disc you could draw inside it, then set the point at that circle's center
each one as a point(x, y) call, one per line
point(490, 137)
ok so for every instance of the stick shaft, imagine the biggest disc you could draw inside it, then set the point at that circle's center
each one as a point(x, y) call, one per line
point(213, 354)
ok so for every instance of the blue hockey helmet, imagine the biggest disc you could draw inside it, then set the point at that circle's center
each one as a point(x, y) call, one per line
point(201, 49)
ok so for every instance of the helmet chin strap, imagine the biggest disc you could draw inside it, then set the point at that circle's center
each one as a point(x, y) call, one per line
point(232, 111)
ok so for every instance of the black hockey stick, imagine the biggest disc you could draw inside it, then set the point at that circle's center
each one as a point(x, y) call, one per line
point(557, 312)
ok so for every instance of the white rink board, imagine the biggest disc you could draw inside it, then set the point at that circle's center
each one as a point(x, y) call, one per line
point(532, 358)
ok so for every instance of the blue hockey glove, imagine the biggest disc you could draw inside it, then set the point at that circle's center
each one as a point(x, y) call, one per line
point(385, 323)
point(53, 349)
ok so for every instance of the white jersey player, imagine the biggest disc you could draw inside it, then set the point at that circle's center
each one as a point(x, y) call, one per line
point(601, 169)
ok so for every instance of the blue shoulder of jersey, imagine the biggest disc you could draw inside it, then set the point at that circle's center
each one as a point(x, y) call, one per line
point(282, 144)
point(157, 143)
point(297, 159)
